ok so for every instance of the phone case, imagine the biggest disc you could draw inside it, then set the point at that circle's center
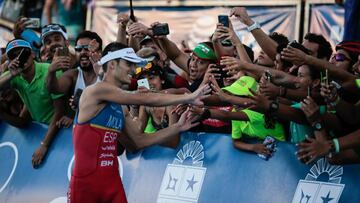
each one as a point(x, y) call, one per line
point(143, 83)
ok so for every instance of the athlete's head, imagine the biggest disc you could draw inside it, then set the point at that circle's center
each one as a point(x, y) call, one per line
point(118, 61)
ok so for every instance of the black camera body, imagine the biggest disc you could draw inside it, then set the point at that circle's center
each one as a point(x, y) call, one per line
point(161, 29)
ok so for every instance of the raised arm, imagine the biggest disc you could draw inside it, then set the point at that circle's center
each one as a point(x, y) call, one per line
point(266, 43)
point(65, 82)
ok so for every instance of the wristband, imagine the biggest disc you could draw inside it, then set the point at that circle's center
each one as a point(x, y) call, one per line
point(337, 145)
point(254, 26)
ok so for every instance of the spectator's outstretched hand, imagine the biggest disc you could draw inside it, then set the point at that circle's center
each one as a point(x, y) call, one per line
point(261, 149)
point(310, 109)
point(201, 93)
point(186, 121)
point(211, 71)
point(139, 30)
point(242, 15)
point(123, 19)
point(268, 89)
point(295, 56)
point(65, 122)
point(259, 101)
point(329, 92)
point(312, 149)
point(39, 155)
point(231, 63)
point(221, 32)
point(217, 90)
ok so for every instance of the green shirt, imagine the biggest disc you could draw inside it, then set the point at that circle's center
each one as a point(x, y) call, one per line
point(358, 83)
point(298, 131)
point(35, 95)
point(255, 127)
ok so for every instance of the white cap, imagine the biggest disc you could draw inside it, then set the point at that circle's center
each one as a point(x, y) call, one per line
point(126, 54)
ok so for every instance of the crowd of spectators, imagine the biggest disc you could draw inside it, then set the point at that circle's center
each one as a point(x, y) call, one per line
point(306, 94)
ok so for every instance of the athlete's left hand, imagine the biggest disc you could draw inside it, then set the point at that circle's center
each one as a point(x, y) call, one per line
point(201, 93)
point(187, 121)
point(39, 155)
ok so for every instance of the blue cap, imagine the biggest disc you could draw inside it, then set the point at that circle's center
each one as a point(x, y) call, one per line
point(17, 43)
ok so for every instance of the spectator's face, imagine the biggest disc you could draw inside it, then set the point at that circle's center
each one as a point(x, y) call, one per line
point(304, 76)
point(278, 63)
point(356, 67)
point(155, 81)
point(197, 67)
point(83, 54)
point(53, 41)
point(312, 47)
point(122, 71)
point(13, 54)
point(264, 60)
point(341, 59)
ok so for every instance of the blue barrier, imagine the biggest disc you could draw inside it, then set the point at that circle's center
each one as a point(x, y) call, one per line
point(204, 168)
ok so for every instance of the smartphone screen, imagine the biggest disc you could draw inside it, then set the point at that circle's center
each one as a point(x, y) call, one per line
point(224, 19)
point(143, 83)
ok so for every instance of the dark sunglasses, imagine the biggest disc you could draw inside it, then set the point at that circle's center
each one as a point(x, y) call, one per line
point(79, 48)
point(339, 57)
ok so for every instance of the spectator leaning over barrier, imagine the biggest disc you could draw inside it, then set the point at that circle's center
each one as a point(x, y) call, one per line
point(102, 121)
point(28, 78)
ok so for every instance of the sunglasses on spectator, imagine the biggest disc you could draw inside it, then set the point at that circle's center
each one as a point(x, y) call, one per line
point(50, 27)
point(79, 48)
point(339, 57)
point(24, 53)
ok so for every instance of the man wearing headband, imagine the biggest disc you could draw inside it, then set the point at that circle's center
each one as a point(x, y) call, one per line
point(102, 121)
point(28, 78)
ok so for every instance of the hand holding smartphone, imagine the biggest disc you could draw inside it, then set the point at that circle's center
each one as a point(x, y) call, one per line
point(33, 23)
point(270, 143)
point(143, 83)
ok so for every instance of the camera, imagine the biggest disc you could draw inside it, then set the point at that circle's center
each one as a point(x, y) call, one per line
point(224, 19)
point(220, 71)
point(161, 29)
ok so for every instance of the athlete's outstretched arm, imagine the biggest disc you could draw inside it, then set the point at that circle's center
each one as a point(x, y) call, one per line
point(107, 92)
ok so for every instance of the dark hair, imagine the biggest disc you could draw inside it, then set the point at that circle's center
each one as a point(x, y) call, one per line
point(279, 48)
point(249, 52)
point(279, 38)
point(90, 35)
point(113, 46)
point(325, 49)
point(299, 46)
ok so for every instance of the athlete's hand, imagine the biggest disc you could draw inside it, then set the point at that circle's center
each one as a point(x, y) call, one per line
point(201, 93)
point(186, 121)
point(39, 155)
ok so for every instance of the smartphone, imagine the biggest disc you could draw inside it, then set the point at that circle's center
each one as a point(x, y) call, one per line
point(221, 72)
point(23, 57)
point(143, 83)
point(224, 19)
point(77, 96)
point(270, 143)
point(33, 23)
point(327, 77)
point(63, 51)
point(268, 76)
point(161, 29)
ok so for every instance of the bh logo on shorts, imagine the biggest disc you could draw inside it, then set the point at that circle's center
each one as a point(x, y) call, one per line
point(182, 181)
point(311, 190)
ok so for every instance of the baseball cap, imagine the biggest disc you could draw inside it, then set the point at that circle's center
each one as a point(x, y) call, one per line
point(53, 28)
point(127, 54)
point(204, 52)
point(242, 85)
point(17, 43)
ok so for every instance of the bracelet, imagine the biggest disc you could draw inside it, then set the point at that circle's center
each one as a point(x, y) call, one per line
point(254, 26)
point(337, 145)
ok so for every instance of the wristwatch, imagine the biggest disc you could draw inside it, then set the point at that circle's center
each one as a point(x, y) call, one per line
point(254, 26)
point(274, 106)
point(317, 126)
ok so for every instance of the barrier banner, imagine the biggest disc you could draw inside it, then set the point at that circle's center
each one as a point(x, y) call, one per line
point(328, 20)
point(197, 24)
point(203, 168)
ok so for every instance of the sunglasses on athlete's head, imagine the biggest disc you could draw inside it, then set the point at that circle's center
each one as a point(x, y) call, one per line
point(79, 48)
point(339, 57)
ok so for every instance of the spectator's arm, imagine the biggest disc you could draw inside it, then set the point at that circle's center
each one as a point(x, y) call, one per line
point(174, 53)
point(5, 80)
point(48, 6)
point(266, 43)
point(256, 148)
point(122, 20)
point(62, 84)
point(41, 151)
point(20, 121)
point(228, 116)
